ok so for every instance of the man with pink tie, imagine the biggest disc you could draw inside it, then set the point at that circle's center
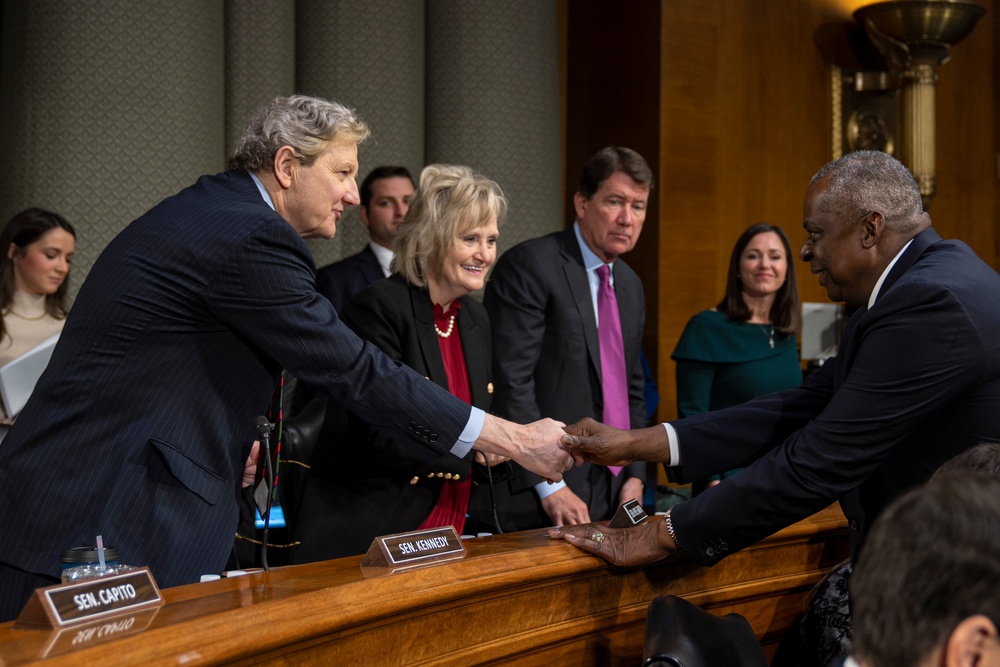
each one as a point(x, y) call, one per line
point(567, 317)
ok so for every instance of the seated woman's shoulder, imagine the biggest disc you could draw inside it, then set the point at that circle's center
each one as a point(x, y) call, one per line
point(708, 317)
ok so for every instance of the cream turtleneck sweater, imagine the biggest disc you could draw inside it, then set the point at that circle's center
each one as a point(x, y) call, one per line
point(27, 325)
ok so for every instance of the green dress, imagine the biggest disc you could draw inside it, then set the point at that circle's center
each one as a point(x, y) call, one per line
point(723, 362)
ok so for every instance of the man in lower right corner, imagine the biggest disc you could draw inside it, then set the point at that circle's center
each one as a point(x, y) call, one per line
point(926, 590)
point(916, 381)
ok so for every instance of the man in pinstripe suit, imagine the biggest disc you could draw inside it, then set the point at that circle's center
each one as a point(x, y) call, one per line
point(140, 428)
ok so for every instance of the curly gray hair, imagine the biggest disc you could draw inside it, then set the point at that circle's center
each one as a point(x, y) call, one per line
point(865, 181)
point(307, 124)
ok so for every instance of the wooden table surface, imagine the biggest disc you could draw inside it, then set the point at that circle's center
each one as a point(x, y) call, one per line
point(519, 598)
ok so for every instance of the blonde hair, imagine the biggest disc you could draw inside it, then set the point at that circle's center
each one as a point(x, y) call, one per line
point(449, 201)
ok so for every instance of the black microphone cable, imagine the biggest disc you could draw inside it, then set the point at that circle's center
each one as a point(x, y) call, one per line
point(493, 500)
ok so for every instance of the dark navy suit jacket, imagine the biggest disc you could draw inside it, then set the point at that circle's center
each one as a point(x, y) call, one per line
point(916, 381)
point(140, 427)
point(341, 280)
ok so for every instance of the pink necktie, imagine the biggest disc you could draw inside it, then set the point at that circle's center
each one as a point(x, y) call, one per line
point(614, 384)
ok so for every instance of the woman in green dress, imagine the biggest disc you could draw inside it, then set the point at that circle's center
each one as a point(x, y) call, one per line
point(746, 345)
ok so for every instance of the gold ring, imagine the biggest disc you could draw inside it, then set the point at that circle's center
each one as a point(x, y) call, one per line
point(597, 536)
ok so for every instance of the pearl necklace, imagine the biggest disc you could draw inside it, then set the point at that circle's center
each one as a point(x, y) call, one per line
point(451, 327)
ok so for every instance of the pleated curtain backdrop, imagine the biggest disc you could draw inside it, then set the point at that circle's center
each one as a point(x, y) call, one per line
point(106, 108)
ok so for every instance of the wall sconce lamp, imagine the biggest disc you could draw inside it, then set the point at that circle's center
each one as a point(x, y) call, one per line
point(915, 36)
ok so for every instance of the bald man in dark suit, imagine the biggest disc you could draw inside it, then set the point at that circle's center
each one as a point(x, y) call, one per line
point(915, 382)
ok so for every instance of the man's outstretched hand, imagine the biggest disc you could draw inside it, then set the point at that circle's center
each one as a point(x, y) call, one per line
point(638, 545)
point(536, 446)
point(589, 440)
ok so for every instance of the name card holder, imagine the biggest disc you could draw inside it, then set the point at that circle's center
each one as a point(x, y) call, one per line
point(420, 547)
point(628, 515)
point(61, 605)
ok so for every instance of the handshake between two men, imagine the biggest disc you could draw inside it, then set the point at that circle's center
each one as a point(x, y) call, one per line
point(588, 441)
point(550, 448)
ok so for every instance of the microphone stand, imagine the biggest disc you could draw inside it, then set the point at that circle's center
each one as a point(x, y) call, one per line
point(264, 433)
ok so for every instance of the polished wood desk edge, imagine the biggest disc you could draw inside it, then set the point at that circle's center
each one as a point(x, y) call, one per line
point(307, 602)
point(494, 564)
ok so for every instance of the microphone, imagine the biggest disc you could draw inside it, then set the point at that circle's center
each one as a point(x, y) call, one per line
point(263, 495)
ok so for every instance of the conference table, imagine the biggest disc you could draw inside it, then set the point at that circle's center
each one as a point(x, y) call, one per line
point(514, 599)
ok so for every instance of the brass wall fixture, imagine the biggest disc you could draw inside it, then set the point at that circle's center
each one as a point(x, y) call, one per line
point(894, 111)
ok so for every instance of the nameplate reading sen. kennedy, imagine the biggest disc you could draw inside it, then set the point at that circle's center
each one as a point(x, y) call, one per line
point(419, 547)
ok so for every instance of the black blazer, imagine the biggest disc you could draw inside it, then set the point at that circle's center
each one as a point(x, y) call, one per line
point(372, 483)
point(547, 359)
point(140, 427)
point(916, 381)
point(341, 280)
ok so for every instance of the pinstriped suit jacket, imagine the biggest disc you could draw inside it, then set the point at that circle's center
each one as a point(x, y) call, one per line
point(140, 427)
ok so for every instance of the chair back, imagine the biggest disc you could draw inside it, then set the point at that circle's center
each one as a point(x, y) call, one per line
point(680, 634)
point(301, 432)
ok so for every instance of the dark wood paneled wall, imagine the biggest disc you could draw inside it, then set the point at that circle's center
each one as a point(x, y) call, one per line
point(613, 99)
point(742, 122)
point(965, 206)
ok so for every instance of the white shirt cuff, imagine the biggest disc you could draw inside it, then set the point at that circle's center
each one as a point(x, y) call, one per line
point(675, 446)
point(470, 433)
point(544, 489)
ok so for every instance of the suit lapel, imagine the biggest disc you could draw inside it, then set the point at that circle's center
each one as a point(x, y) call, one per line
point(423, 315)
point(628, 308)
point(370, 267)
point(849, 344)
point(579, 287)
point(476, 355)
point(851, 339)
point(920, 243)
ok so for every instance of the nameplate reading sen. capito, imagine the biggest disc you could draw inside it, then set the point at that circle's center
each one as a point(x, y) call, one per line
point(91, 599)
